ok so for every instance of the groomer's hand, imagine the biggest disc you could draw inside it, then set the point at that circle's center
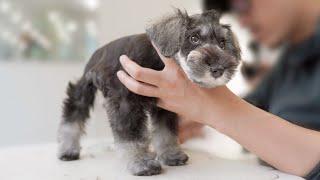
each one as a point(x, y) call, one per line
point(175, 92)
point(189, 129)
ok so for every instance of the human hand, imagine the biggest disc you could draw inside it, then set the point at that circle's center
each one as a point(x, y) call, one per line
point(189, 130)
point(175, 92)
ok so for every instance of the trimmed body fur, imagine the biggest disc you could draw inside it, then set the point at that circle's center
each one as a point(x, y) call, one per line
point(127, 111)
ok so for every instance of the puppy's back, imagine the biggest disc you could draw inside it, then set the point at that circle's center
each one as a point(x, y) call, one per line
point(136, 47)
point(104, 63)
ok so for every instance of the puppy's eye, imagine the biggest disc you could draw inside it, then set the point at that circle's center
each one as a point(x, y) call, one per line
point(222, 44)
point(195, 39)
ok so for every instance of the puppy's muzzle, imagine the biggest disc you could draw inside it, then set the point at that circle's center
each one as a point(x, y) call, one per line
point(217, 71)
point(212, 57)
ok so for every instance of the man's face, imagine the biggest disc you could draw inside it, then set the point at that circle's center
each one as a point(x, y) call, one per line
point(270, 21)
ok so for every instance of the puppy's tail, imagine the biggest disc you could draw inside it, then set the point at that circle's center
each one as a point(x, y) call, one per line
point(80, 98)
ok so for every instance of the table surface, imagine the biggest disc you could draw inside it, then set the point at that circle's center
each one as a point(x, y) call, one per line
point(99, 162)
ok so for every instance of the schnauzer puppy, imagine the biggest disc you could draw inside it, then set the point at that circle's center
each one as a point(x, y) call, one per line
point(207, 52)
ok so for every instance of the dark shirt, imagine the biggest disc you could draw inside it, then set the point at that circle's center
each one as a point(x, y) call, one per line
point(292, 89)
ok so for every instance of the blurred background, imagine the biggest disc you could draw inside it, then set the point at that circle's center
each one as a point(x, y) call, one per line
point(46, 43)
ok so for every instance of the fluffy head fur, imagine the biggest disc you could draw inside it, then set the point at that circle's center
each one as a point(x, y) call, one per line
point(206, 50)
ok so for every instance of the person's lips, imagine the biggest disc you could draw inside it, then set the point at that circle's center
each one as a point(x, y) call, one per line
point(256, 32)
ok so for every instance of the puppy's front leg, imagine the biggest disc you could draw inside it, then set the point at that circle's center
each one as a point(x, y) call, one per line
point(165, 139)
point(128, 123)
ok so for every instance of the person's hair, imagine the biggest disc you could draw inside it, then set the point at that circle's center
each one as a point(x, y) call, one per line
point(220, 5)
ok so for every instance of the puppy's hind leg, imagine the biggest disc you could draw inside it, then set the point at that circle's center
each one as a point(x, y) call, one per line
point(165, 138)
point(128, 122)
point(75, 113)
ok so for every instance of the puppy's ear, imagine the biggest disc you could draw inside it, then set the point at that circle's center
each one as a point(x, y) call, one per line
point(235, 43)
point(231, 37)
point(168, 33)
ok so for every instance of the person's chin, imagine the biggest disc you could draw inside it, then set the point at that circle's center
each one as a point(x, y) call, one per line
point(269, 42)
point(272, 43)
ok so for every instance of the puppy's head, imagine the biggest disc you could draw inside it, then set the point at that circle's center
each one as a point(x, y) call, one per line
point(206, 50)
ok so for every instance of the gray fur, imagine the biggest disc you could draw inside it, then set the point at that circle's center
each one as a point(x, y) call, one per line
point(168, 33)
point(69, 140)
point(127, 111)
point(165, 141)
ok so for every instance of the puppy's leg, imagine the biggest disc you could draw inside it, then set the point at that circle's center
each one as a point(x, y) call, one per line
point(165, 139)
point(128, 122)
point(69, 140)
point(75, 113)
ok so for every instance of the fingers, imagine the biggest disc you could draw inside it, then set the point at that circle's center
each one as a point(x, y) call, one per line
point(137, 87)
point(162, 104)
point(190, 130)
point(188, 124)
point(190, 134)
point(139, 73)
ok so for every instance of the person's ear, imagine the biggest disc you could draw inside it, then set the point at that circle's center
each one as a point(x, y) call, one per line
point(168, 34)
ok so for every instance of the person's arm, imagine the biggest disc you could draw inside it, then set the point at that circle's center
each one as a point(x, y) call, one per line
point(286, 146)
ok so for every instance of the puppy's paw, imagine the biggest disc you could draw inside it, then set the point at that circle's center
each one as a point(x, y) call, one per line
point(69, 157)
point(174, 157)
point(144, 167)
point(68, 154)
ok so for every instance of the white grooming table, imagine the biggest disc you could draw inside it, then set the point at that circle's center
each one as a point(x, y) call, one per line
point(99, 162)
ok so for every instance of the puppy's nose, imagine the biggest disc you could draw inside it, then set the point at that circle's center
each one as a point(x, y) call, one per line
point(217, 71)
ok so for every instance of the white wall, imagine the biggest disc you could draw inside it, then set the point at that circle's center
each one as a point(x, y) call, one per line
point(31, 100)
